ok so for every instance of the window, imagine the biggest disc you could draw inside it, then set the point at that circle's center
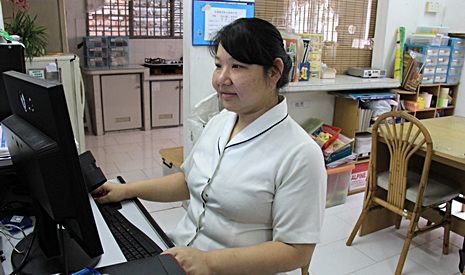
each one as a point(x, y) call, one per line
point(136, 18)
point(347, 26)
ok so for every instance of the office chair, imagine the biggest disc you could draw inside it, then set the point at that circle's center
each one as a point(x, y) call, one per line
point(407, 181)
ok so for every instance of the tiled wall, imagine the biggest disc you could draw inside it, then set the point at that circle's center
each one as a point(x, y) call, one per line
point(139, 49)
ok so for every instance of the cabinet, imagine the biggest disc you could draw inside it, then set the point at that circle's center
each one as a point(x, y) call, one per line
point(121, 101)
point(166, 103)
point(435, 109)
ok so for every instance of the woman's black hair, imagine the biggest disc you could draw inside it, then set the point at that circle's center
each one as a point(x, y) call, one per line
point(253, 41)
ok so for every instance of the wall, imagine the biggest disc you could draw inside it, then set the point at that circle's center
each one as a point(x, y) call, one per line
point(1, 18)
point(49, 14)
point(391, 14)
point(74, 25)
point(410, 14)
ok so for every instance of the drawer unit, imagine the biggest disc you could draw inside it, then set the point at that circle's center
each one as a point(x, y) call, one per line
point(440, 78)
point(460, 52)
point(427, 79)
point(455, 70)
point(113, 51)
point(456, 43)
point(444, 51)
point(96, 62)
point(441, 69)
point(456, 61)
point(453, 79)
point(121, 101)
point(443, 61)
point(429, 70)
point(95, 41)
point(118, 41)
point(165, 98)
point(96, 52)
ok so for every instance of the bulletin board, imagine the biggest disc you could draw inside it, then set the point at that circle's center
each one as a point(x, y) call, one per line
point(209, 16)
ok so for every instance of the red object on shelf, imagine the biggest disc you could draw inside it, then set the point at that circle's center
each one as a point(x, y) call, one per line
point(325, 128)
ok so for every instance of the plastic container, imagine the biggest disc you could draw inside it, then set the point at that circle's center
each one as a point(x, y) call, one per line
point(453, 79)
point(431, 61)
point(427, 99)
point(119, 51)
point(120, 61)
point(441, 69)
point(325, 128)
point(457, 42)
point(95, 41)
point(433, 40)
point(455, 70)
point(429, 70)
point(458, 52)
point(456, 61)
point(433, 30)
point(96, 62)
point(96, 52)
point(427, 79)
point(442, 60)
point(338, 184)
point(445, 51)
point(440, 78)
point(118, 41)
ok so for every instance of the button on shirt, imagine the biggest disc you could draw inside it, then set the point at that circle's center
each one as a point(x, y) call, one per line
point(267, 183)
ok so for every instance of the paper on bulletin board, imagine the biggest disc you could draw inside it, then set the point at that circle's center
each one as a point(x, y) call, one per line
point(210, 16)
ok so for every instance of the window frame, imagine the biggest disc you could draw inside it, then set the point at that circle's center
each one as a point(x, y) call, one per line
point(124, 8)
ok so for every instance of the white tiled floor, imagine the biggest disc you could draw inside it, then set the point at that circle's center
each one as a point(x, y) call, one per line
point(134, 155)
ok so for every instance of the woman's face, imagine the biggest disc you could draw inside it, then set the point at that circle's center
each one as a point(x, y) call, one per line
point(244, 88)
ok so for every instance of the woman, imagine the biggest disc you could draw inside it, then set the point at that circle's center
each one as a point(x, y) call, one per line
point(255, 179)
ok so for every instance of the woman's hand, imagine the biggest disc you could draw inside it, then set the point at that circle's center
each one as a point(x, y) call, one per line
point(109, 192)
point(194, 261)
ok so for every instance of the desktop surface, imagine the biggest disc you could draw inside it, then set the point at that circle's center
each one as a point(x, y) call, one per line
point(113, 261)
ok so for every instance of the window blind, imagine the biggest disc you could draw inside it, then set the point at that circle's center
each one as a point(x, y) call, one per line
point(347, 26)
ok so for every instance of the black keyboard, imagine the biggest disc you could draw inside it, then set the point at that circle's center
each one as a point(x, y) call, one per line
point(134, 243)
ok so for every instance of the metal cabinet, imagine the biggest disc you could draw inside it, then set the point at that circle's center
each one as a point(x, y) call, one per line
point(165, 99)
point(121, 101)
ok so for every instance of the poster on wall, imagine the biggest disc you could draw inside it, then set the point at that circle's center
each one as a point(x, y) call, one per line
point(210, 16)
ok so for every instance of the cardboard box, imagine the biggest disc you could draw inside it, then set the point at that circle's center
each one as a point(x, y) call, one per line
point(172, 159)
point(362, 144)
point(359, 176)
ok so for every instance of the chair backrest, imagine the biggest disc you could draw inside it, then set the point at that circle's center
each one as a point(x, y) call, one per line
point(403, 135)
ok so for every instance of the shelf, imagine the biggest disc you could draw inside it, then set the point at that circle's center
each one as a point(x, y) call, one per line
point(341, 83)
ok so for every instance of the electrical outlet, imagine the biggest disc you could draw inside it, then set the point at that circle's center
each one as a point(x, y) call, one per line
point(300, 104)
point(433, 7)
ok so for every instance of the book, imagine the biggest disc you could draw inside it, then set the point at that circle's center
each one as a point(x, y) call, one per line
point(338, 144)
point(340, 154)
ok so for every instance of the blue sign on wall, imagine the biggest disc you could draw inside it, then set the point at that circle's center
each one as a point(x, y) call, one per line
point(209, 16)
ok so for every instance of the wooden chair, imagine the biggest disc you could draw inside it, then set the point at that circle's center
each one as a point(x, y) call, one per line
point(407, 181)
point(304, 269)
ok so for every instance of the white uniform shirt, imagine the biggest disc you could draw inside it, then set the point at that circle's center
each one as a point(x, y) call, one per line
point(267, 183)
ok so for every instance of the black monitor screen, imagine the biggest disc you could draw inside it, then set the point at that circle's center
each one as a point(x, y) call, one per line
point(44, 154)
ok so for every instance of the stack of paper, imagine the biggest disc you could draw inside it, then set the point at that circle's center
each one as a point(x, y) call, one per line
point(364, 119)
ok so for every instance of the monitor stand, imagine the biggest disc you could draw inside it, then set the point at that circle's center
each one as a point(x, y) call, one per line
point(37, 263)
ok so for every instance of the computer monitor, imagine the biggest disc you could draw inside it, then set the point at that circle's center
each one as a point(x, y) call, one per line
point(44, 154)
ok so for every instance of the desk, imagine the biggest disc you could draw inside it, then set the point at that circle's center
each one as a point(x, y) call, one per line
point(448, 135)
point(137, 215)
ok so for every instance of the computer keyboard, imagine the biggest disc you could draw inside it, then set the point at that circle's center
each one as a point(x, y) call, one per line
point(134, 243)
